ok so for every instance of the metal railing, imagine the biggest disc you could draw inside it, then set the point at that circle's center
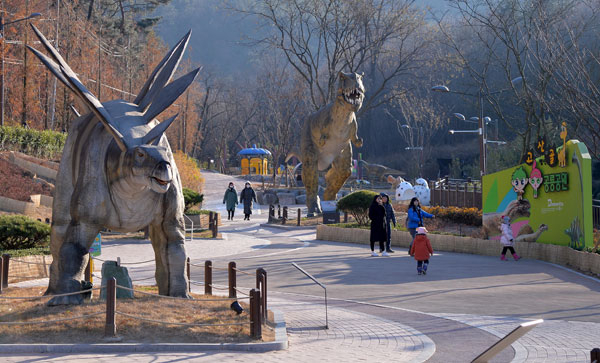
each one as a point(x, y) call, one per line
point(318, 283)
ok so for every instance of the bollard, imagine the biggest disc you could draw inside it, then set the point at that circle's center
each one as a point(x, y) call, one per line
point(285, 215)
point(299, 213)
point(345, 217)
point(1, 274)
point(188, 271)
point(271, 210)
point(595, 355)
point(89, 269)
point(278, 211)
point(110, 329)
point(210, 220)
point(261, 285)
point(232, 280)
point(5, 262)
point(255, 315)
point(215, 230)
point(208, 277)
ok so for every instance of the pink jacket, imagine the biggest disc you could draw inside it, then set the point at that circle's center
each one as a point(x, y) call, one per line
point(507, 238)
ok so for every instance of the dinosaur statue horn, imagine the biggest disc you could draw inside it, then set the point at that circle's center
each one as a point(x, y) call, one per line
point(169, 94)
point(158, 130)
point(162, 74)
point(65, 74)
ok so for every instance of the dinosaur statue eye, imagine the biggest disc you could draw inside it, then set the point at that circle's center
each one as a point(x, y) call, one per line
point(140, 154)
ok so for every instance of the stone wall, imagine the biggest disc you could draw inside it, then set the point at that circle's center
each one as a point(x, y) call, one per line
point(37, 169)
point(28, 268)
point(33, 210)
point(561, 255)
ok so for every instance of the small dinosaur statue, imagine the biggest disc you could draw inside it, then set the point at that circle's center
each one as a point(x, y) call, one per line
point(117, 171)
point(327, 138)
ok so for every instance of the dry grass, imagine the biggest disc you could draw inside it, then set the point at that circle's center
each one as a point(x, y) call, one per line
point(91, 330)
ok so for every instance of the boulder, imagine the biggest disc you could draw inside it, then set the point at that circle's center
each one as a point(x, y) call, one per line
point(110, 269)
point(269, 198)
point(301, 199)
point(286, 198)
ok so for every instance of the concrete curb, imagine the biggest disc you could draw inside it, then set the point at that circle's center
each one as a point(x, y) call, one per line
point(289, 228)
point(280, 343)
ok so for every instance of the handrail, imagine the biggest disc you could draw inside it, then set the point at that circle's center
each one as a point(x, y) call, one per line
point(192, 231)
point(318, 283)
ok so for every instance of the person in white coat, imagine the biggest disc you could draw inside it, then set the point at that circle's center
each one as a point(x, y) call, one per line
point(507, 239)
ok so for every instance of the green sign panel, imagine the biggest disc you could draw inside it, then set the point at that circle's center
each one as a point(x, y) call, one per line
point(546, 203)
point(96, 248)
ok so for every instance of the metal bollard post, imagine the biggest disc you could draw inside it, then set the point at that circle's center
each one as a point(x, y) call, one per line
point(255, 315)
point(208, 277)
point(110, 329)
point(5, 263)
point(285, 215)
point(188, 271)
point(595, 355)
point(299, 213)
point(261, 285)
point(232, 280)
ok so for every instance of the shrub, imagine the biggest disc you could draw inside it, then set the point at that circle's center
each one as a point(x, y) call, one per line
point(469, 216)
point(189, 172)
point(191, 199)
point(20, 232)
point(357, 204)
point(45, 144)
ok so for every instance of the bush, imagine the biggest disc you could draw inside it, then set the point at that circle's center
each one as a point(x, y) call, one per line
point(357, 204)
point(44, 144)
point(20, 232)
point(469, 216)
point(191, 199)
point(189, 172)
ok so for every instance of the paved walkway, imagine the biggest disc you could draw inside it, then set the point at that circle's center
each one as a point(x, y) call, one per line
point(379, 309)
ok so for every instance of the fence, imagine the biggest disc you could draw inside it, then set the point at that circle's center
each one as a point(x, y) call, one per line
point(596, 212)
point(457, 194)
point(257, 298)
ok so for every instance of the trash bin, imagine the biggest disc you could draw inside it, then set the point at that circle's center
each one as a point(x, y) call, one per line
point(330, 213)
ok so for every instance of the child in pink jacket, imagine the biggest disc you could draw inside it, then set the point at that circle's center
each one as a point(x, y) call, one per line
point(507, 239)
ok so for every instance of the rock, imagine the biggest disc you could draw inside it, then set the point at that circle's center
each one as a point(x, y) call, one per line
point(301, 199)
point(110, 270)
point(286, 198)
point(269, 198)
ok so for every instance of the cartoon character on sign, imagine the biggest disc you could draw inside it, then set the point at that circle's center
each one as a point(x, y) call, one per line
point(535, 179)
point(562, 154)
point(519, 181)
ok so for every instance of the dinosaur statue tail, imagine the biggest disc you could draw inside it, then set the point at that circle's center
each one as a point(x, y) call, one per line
point(291, 154)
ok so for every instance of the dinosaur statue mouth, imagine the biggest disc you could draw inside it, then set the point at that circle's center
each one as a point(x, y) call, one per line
point(160, 181)
point(159, 185)
point(353, 96)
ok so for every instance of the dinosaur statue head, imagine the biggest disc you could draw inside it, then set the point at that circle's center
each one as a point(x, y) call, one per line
point(142, 154)
point(351, 90)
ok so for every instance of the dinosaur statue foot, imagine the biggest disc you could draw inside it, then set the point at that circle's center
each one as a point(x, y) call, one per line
point(75, 299)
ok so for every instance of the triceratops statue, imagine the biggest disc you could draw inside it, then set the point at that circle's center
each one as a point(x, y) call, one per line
point(117, 172)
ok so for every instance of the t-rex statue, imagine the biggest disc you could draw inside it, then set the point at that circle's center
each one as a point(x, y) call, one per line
point(117, 171)
point(327, 138)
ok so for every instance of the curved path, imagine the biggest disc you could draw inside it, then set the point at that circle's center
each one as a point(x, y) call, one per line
point(379, 308)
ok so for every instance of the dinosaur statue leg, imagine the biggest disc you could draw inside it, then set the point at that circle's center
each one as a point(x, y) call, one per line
point(73, 258)
point(167, 240)
point(310, 177)
point(57, 238)
point(340, 170)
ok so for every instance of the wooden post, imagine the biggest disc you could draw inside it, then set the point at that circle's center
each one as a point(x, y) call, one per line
point(261, 285)
point(255, 315)
point(215, 230)
point(1, 275)
point(89, 269)
point(595, 355)
point(278, 211)
point(232, 280)
point(110, 329)
point(299, 215)
point(188, 271)
point(285, 215)
point(208, 277)
point(271, 210)
point(5, 263)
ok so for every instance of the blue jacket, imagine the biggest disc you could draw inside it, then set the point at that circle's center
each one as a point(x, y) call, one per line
point(389, 213)
point(413, 217)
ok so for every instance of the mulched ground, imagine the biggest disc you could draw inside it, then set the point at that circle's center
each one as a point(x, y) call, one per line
point(16, 183)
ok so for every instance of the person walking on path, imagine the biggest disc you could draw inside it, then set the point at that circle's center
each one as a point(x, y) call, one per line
point(507, 239)
point(421, 250)
point(230, 199)
point(246, 197)
point(390, 218)
point(378, 232)
point(415, 218)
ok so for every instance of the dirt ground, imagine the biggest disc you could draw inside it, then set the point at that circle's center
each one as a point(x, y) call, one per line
point(16, 183)
point(91, 329)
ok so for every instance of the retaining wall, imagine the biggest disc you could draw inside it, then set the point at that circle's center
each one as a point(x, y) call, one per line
point(28, 268)
point(37, 169)
point(561, 255)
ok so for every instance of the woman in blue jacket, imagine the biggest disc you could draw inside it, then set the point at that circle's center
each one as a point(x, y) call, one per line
point(415, 218)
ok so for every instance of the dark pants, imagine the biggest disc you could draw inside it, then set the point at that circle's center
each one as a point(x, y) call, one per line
point(380, 246)
point(422, 265)
point(230, 213)
point(388, 242)
point(413, 233)
point(246, 216)
point(508, 248)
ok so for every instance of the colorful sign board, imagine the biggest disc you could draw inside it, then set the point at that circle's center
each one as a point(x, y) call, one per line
point(547, 202)
point(96, 248)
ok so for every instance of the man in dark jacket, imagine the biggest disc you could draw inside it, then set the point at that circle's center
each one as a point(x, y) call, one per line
point(389, 219)
point(247, 196)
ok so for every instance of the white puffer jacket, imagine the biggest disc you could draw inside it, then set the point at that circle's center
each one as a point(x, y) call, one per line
point(507, 235)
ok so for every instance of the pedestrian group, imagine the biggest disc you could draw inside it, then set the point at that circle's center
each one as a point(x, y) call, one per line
point(247, 196)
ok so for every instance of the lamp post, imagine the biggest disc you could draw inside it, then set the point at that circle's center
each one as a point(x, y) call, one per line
point(421, 141)
point(480, 120)
point(2, 25)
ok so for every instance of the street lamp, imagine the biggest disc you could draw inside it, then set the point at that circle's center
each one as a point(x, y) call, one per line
point(2, 25)
point(421, 141)
point(481, 121)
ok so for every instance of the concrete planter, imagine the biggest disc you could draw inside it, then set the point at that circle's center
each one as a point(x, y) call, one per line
point(560, 255)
